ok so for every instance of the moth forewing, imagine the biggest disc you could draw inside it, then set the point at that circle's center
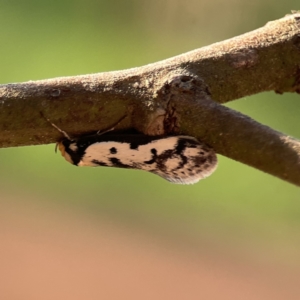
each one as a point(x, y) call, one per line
point(178, 159)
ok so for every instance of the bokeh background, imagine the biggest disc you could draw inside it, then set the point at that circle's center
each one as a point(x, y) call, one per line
point(98, 233)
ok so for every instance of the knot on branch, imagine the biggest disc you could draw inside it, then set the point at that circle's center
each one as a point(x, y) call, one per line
point(176, 89)
point(52, 93)
point(244, 58)
point(164, 118)
point(181, 86)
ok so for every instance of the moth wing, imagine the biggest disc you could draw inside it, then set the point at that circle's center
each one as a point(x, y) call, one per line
point(178, 159)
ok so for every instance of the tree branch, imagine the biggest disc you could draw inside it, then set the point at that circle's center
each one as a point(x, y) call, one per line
point(177, 95)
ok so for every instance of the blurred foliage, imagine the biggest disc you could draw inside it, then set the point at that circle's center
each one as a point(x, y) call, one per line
point(238, 208)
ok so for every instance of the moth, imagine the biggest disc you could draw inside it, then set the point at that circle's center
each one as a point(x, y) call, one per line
point(179, 159)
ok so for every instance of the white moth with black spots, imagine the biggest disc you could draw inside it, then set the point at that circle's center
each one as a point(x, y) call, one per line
point(178, 159)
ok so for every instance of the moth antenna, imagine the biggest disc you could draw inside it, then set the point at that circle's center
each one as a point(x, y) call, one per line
point(60, 130)
point(112, 128)
point(57, 128)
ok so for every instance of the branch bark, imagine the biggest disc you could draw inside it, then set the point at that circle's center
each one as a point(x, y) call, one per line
point(182, 94)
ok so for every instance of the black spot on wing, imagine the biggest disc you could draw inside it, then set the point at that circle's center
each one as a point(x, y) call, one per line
point(118, 164)
point(198, 160)
point(134, 145)
point(207, 166)
point(154, 157)
point(149, 162)
point(211, 159)
point(154, 151)
point(181, 145)
point(182, 163)
point(184, 143)
point(162, 158)
point(99, 163)
point(113, 150)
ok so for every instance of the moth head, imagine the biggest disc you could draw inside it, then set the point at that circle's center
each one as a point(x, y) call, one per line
point(66, 148)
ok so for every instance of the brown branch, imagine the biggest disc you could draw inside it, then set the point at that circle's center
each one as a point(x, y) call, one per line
point(172, 96)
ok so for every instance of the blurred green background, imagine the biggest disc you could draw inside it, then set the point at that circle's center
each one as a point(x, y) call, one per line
point(238, 212)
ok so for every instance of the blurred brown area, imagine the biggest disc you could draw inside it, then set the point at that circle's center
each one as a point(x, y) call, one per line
point(52, 253)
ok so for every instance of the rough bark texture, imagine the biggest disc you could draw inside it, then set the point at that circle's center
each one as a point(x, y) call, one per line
point(182, 94)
